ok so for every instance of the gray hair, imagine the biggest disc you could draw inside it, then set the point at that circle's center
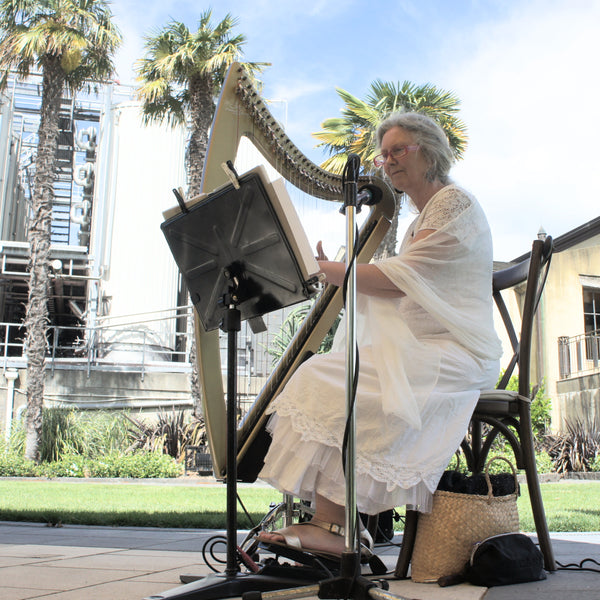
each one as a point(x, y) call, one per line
point(429, 136)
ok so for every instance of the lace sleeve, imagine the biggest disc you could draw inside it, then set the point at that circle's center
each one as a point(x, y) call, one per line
point(445, 206)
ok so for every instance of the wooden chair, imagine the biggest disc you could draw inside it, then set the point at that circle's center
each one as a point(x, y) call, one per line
point(505, 412)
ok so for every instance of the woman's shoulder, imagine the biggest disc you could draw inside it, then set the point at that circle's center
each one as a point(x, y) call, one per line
point(453, 197)
point(445, 206)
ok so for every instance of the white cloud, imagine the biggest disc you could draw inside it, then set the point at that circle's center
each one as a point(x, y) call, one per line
point(529, 89)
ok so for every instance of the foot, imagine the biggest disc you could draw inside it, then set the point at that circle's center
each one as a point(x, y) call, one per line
point(311, 537)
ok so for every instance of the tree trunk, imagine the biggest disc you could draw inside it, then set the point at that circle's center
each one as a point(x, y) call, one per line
point(38, 235)
point(388, 244)
point(201, 113)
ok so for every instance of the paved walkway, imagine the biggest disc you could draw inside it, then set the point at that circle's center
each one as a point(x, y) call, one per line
point(112, 563)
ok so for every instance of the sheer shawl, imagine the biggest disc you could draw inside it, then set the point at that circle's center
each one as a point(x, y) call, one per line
point(449, 276)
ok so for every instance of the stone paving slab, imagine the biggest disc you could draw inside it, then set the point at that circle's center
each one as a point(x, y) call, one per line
point(112, 563)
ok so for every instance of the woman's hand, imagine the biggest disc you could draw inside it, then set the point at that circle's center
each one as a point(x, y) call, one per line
point(369, 279)
point(320, 253)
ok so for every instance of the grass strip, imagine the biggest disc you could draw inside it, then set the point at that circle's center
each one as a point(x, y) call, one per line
point(571, 506)
point(124, 504)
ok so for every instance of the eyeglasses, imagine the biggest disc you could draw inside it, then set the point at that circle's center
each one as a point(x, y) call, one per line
point(396, 153)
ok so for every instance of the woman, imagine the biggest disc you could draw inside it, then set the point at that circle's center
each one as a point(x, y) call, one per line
point(427, 347)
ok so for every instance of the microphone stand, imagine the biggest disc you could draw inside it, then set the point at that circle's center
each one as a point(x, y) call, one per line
point(350, 583)
point(350, 564)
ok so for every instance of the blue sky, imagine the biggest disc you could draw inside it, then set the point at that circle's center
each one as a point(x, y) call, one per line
point(526, 72)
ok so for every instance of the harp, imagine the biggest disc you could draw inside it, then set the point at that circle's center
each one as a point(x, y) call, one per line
point(242, 113)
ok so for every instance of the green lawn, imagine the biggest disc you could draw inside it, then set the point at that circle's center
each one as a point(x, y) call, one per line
point(141, 505)
point(569, 506)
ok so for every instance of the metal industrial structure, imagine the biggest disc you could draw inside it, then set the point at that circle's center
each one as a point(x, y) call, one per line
point(119, 331)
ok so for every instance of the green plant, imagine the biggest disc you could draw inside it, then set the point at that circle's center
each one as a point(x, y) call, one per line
point(66, 466)
point(103, 432)
point(67, 432)
point(541, 406)
point(290, 327)
point(169, 434)
point(142, 465)
point(60, 434)
point(577, 448)
point(16, 465)
point(543, 461)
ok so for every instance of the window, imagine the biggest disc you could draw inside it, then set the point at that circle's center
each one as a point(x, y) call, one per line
point(591, 317)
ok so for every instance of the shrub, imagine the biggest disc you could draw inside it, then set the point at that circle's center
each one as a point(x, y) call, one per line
point(15, 465)
point(67, 432)
point(540, 407)
point(170, 434)
point(103, 432)
point(135, 465)
point(544, 462)
point(66, 466)
point(576, 449)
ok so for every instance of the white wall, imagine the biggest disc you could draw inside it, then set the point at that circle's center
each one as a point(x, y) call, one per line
point(141, 166)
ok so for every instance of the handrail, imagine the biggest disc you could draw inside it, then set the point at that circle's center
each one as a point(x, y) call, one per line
point(88, 347)
point(579, 354)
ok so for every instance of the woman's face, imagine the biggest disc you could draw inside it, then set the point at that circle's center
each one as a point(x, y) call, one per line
point(407, 173)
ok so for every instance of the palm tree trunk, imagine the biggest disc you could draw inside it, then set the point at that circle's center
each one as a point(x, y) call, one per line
point(201, 113)
point(388, 244)
point(36, 317)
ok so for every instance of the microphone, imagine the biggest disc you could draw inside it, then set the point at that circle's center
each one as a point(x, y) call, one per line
point(352, 168)
point(368, 194)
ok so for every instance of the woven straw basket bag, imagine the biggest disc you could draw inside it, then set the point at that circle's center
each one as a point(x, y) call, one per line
point(446, 535)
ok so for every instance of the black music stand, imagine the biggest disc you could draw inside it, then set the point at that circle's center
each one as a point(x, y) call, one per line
point(237, 263)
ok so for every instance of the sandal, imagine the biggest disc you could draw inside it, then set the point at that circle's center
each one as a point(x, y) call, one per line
point(292, 547)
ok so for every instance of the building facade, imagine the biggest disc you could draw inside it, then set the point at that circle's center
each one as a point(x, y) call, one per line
point(120, 320)
point(569, 338)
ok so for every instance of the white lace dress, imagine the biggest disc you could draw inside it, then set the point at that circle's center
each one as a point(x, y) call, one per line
point(423, 360)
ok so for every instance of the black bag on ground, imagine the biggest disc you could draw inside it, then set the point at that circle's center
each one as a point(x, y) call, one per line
point(505, 559)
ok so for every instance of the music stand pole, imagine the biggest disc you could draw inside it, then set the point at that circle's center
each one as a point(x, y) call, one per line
point(231, 324)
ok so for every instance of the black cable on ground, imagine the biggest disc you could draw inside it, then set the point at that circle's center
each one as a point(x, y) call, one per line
point(579, 566)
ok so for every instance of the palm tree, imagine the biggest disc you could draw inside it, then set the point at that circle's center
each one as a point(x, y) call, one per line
point(180, 78)
point(69, 42)
point(354, 131)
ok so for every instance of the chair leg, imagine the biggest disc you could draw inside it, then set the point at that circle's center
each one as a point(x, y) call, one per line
point(535, 493)
point(408, 543)
point(372, 523)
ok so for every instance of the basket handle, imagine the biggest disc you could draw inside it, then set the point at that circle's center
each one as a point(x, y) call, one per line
point(487, 474)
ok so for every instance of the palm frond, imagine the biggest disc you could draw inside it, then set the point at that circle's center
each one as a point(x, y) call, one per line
point(78, 31)
point(355, 130)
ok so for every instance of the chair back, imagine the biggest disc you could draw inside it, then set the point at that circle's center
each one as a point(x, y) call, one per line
point(533, 270)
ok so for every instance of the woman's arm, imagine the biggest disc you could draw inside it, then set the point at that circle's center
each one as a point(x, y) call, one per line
point(369, 279)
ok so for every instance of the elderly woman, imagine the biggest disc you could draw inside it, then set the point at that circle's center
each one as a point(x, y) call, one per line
point(427, 347)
